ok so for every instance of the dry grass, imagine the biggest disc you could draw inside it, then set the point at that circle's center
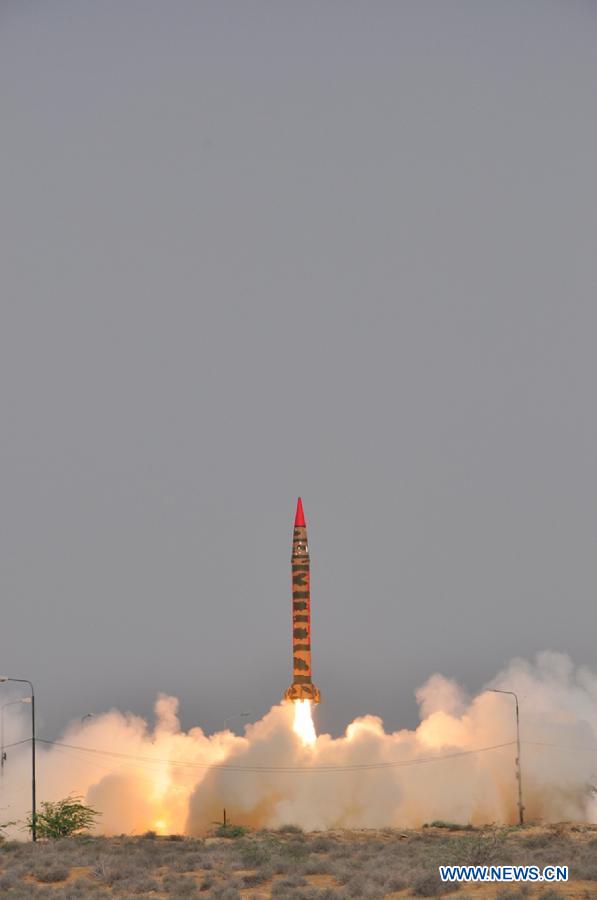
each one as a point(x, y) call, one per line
point(288, 864)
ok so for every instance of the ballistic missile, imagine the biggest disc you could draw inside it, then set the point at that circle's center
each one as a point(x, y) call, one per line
point(302, 687)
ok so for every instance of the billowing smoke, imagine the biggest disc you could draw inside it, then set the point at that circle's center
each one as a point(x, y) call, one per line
point(458, 765)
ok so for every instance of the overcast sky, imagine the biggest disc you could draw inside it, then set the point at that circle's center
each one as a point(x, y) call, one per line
point(253, 250)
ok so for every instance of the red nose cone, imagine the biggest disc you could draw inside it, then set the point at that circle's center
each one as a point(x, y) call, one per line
point(299, 519)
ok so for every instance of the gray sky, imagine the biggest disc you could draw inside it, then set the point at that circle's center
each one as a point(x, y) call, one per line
point(250, 250)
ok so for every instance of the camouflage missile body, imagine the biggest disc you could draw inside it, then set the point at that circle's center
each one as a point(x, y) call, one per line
point(302, 688)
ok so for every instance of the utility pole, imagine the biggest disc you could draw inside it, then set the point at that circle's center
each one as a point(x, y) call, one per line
point(517, 760)
point(31, 698)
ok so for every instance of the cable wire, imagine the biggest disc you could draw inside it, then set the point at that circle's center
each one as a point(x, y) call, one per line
point(560, 746)
point(130, 759)
point(256, 769)
point(16, 743)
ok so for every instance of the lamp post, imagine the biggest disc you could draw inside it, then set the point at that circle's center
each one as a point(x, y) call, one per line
point(2, 708)
point(4, 678)
point(517, 761)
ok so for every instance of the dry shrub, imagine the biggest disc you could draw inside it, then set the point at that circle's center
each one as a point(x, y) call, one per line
point(585, 869)
point(321, 845)
point(254, 854)
point(281, 888)
point(252, 879)
point(180, 885)
point(510, 894)
point(313, 893)
point(394, 883)
point(8, 880)
point(429, 885)
point(482, 849)
point(51, 874)
point(190, 862)
point(362, 886)
point(536, 841)
point(225, 892)
point(138, 884)
point(290, 829)
point(111, 870)
point(317, 867)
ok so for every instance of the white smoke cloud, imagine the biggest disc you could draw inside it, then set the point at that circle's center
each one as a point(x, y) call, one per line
point(160, 778)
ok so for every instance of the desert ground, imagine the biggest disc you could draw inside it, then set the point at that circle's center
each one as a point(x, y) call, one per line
point(291, 864)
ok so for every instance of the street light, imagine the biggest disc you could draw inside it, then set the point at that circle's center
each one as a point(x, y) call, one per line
point(31, 699)
point(2, 708)
point(517, 760)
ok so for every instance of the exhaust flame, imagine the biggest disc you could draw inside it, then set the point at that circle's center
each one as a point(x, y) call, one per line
point(457, 765)
point(303, 722)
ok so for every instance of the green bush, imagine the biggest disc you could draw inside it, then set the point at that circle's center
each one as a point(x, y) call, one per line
point(63, 818)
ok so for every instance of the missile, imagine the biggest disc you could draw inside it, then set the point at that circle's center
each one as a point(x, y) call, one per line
point(302, 688)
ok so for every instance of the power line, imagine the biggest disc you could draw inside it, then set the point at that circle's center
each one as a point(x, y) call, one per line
point(560, 746)
point(129, 767)
point(17, 743)
point(349, 767)
point(255, 769)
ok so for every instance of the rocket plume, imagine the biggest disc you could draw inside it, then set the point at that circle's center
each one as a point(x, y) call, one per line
point(160, 778)
point(303, 722)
